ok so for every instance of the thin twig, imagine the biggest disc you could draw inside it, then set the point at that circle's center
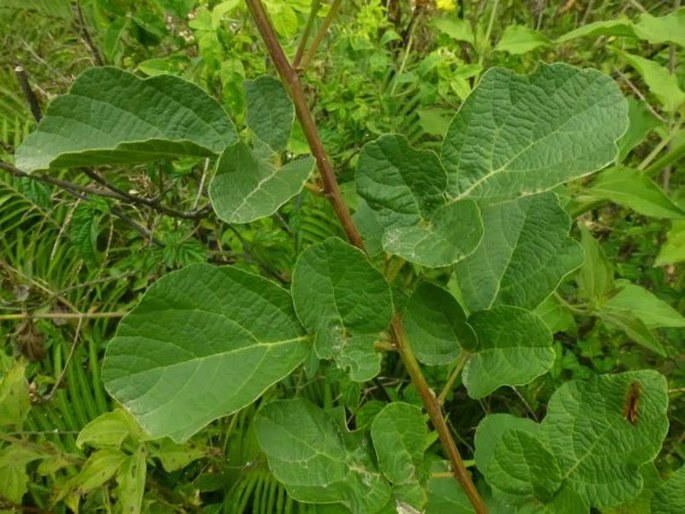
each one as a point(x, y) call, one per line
point(461, 361)
point(63, 372)
point(63, 315)
point(30, 96)
point(292, 82)
point(305, 35)
point(83, 29)
point(320, 35)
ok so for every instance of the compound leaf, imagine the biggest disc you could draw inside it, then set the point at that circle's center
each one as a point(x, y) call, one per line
point(204, 342)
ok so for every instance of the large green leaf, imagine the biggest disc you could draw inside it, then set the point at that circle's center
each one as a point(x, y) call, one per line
point(247, 186)
point(399, 433)
point(514, 347)
point(407, 189)
point(526, 251)
point(318, 459)
point(519, 39)
point(111, 116)
point(436, 326)
point(270, 113)
point(204, 342)
point(597, 447)
point(345, 302)
point(518, 135)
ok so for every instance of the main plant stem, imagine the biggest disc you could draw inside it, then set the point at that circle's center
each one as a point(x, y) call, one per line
point(291, 81)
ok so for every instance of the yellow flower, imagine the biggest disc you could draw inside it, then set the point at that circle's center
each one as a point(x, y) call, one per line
point(446, 5)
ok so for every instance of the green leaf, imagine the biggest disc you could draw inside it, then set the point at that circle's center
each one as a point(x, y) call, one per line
point(110, 116)
point(131, 482)
point(598, 449)
point(344, 302)
point(13, 476)
point(557, 317)
point(635, 190)
point(100, 467)
point(525, 253)
point(519, 39)
point(663, 29)
point(620, 28)
point(521, 465)
point(653, 312)
point(673, 249)
point(14, 396)
point(108, 430)
point(490, 431)
point(247, 187)
point(406, 189)
point(317, 459)
point(596, 276)
point(176, 456)
point(203, 342)
point(456, 28)
point(669, 498)
point(436, 325)
point(642, 122)
point(399, 435)
point(518, 135)
point(661, 82)
point(633, 327)
point(514, 347)
point(270, 113)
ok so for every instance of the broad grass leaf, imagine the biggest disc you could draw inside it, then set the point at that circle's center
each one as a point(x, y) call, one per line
point(514, 347)
point(111, 116)
point(346, 303)
point(517, 135)
point(525, 253)
point(203, 343)
point(317, 459)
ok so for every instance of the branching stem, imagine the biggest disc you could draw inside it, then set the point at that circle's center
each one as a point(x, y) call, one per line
point(291, 80)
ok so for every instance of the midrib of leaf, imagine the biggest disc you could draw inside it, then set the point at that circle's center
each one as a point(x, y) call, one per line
point(269, 345)
point(503, 167)
point(580, 460)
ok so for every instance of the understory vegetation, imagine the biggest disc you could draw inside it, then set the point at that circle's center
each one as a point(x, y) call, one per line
point(323, 256)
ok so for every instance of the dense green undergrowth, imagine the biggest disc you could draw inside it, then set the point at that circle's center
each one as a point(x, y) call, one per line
point(198, 315)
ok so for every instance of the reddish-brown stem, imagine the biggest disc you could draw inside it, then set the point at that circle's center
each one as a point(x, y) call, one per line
point(432, 406)
point(291, 80)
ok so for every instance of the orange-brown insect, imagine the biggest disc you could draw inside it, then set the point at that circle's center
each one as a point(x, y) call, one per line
point(632, 403)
